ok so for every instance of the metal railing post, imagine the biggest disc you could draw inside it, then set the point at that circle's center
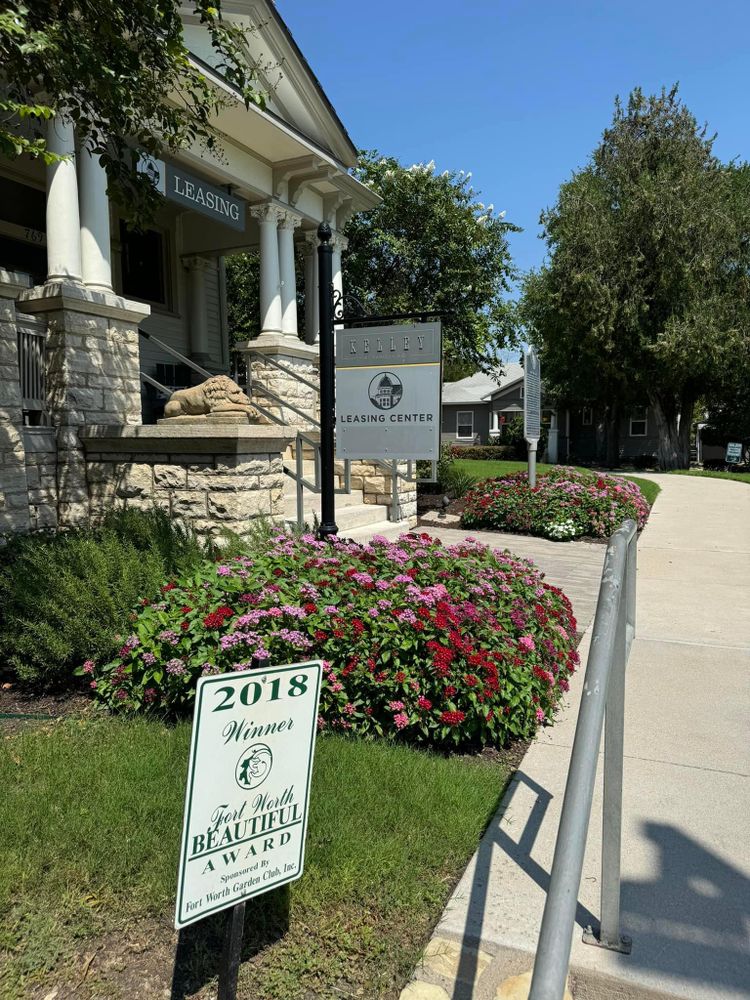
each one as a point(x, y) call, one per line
point(394, 492)
point(604, 687)
point(614, 748)
point(299, 462)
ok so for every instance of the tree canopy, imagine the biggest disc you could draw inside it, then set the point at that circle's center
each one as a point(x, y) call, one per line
point(644, 296)
point(122, 73)
point(431, 244)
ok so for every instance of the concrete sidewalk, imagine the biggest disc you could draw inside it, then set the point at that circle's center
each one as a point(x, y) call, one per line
point(686, 836)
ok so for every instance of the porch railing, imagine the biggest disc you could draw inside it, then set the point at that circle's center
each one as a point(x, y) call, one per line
point(603, 692)
point(32, 335)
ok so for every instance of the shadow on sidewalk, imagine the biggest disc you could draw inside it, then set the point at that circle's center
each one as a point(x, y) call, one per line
point(690, 923)
point(497, 839)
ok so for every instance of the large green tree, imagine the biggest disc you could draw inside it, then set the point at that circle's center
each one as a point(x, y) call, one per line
point(432, 244)
point(122, 73)
point(644, 296)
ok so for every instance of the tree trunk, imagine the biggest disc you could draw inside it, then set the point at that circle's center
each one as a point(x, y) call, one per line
point(613, 435)
point(673, 449)
point(600, 435)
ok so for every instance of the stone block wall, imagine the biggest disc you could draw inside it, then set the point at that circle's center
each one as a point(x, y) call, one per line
point(14, 509)
point(92, 356)
point(295, 356)
point(40, 446)
point(206, 492)
point(376, 486)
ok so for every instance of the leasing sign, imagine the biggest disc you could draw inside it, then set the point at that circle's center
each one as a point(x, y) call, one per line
point(388, 391)
point(193, 192)
point(248, 786)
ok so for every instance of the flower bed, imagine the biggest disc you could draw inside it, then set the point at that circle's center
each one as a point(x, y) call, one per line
point(431, 644)
point(565, 503)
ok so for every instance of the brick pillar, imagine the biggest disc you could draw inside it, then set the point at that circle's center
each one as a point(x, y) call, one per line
point(92, 375)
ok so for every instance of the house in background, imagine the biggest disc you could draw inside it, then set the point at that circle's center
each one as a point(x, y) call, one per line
point(478, 408)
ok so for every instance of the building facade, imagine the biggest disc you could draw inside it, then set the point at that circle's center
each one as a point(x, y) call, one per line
point(99, 322)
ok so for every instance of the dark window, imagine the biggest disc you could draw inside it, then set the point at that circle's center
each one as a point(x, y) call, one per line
point(587, 416)
point(639, 422)
point(144, 265)
point(173, 376)
point(22, 229)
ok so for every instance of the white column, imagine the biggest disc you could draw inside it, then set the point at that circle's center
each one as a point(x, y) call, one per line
point(270, 279)
point(312, 317)
point(198, 307)
point(552, 440)
point(63, 221)
point(339, 243)
point(287, 224)
point(94, 206)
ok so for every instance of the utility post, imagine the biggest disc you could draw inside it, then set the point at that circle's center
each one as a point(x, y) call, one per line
point(327, 525)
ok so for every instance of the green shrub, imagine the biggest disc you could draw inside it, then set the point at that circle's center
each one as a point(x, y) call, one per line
point(64, 595)
point(486, 452)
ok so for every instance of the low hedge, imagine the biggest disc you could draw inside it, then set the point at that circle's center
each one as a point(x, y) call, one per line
point(565, 503)
point(423, 643)
point(487, 452)
point(64, 596)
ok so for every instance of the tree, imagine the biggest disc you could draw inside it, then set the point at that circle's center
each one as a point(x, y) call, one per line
point(644, 296)
point(432, 244)
point(122, 73)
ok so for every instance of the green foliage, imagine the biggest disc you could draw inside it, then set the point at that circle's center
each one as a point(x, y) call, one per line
point(436, 645)
point(113, 69)
point(485, 452)
point(645, 294)
point(65, 596)
point(432, 244)
point(390, 831)
point(243, 295)
point(565, 503)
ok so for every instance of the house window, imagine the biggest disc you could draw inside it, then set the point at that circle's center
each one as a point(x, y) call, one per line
point(144, 265)
point(520, 392)
point(638, 422)
point(587, 416)
point(465, 424)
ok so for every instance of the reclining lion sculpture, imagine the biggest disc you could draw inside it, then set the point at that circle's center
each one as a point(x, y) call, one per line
point(218, 394)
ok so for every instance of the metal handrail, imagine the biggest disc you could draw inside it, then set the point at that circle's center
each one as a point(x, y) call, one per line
point(603, 689)
point(283, 368)
point(174, 353)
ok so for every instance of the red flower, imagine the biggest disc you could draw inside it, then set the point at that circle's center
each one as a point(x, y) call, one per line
point(216, 618)
point(168, 586)
point(310, 608)
point(452, 718)
point(424, 703)
point(450, 691)
point(186, 609)
point(400, 677)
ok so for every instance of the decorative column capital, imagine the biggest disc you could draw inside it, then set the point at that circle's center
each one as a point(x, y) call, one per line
point(196, 263)
point(339, 242)
point(290, 220)
point(267, 213)
point(309, 241)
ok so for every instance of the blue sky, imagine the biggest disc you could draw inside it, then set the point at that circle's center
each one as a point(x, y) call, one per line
point(519, 91)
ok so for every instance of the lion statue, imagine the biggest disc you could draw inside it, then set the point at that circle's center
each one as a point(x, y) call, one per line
point(218, 394)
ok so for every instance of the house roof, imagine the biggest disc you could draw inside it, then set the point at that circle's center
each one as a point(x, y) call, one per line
point(478, 388)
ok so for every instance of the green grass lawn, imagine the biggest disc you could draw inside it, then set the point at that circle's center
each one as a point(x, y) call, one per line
point(490, 469)
point(737, 477)
point(90, 816)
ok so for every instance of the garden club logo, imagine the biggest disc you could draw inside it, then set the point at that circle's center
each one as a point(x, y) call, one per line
point(254, 766)
point(385, 391)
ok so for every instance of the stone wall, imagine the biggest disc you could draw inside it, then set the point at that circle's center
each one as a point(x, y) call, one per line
point(296, 356)
point(14, 510)
point(376, 485)
point(92, 375)
point(210, 477)
point(40, 446)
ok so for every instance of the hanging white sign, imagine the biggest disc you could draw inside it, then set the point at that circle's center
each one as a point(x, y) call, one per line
point(248, 786)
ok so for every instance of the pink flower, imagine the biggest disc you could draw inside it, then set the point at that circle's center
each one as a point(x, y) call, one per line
point(527, 642)
point(424, 703)
point(396, 706)
point(539, 715)
point(401, 719)
point(88, 667)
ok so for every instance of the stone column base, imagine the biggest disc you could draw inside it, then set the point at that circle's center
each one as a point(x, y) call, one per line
point(295, 355)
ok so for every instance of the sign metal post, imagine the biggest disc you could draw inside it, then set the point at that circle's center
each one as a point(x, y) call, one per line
point(247, 795)
point(327, 525)
point(532, 407)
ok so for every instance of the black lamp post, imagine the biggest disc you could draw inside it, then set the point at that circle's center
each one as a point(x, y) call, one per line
point(327, 525)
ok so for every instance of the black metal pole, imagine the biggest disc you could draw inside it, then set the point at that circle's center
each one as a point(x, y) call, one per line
point(327, 525)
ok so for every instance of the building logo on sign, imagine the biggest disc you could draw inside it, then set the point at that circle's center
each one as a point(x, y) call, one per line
point(254, 766)
point(385, 391)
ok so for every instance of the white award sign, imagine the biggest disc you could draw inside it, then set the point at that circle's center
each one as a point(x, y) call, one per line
point(248, 786)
